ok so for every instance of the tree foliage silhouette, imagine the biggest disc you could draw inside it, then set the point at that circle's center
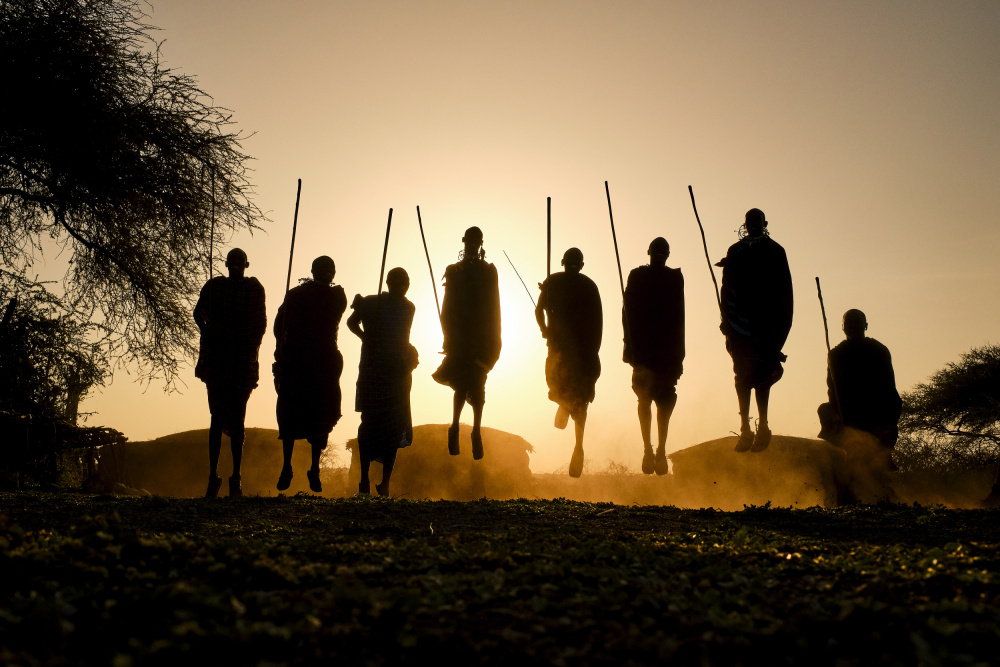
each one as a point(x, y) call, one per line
point(119, 161)
point(49, 359)
point(954, 419)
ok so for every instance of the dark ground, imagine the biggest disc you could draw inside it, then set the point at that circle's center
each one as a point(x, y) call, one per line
point(263, 581)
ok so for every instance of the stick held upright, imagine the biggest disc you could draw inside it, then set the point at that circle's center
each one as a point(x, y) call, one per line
point(621, 279)
point(211, 234)
point(826, 330)
point(385, 249)
point(429, 268)
point(548, 236)
point(295, 224)
point(704, 244)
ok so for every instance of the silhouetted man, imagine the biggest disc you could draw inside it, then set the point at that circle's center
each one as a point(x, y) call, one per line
point(382, 323)
point(653, 321)
point(232, 318)
point(861, 386)
point(470, 318)
point(307, 366)
point(571, 304)
point(756, 318)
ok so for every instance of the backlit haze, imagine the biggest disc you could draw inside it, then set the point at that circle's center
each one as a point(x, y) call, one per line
point(869, 134)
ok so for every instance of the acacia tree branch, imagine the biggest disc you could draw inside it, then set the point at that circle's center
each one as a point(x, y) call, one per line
point(24, 194)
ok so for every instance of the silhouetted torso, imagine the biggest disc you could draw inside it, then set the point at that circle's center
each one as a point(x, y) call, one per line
point(653, 315)
point(232, 318)
point(384, 373)
point(865, 384)
point(470, 314)
point(307, 362)
point(757, 294)
point(575, 319)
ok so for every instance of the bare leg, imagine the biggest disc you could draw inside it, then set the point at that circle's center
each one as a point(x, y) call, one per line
point(214, 447)
point(576, 461)
point(318, 445)
point(763, 394)
point(317, 451)
point(236, 446)
point(364, 487)
point(477, 436)
point(562, 417)
point(663, 413)
point(477, 416)
point(646, 423)
point(457, 406)
point(285, 478)
point(646, 427)
point(580, 422)
point(743, 396)
point(745, 440)
point(763, 437)
point(388, 462)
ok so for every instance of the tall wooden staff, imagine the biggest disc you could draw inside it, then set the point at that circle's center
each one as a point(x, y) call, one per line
point(295, 224)
point(385, 249)
point(826, 330)
point(548, 246)
point(704, 243)
point(291, 252)
point(621, 280)
point(429, 268)
point(211, 236)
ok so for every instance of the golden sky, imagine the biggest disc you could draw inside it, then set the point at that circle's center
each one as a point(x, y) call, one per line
point(869, 134)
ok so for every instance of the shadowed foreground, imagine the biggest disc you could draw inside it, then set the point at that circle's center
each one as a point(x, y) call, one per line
point(254, 581)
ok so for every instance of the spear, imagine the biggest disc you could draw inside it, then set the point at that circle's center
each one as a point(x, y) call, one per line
point(295, 223)
point(429, 268)
point(704, 243)
point(621, 280)
point(385, 249)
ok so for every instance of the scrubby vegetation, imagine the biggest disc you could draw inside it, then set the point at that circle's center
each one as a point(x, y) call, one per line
point(951, 424)
point(104, 580)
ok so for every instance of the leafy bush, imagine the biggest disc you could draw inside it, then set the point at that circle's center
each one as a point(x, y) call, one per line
point(951, 424)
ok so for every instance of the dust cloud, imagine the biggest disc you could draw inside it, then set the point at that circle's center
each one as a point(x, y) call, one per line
point(792, 472)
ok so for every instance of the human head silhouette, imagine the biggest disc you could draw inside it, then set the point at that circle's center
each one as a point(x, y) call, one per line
point(398, 281)
point(323, 269)
point(855, 323)
point(755, 223)
point(572, 259)
point(658, 251)
point(473, 240)
point(236, 262)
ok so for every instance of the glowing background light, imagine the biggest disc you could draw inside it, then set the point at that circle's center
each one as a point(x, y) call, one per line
point(869, 133)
